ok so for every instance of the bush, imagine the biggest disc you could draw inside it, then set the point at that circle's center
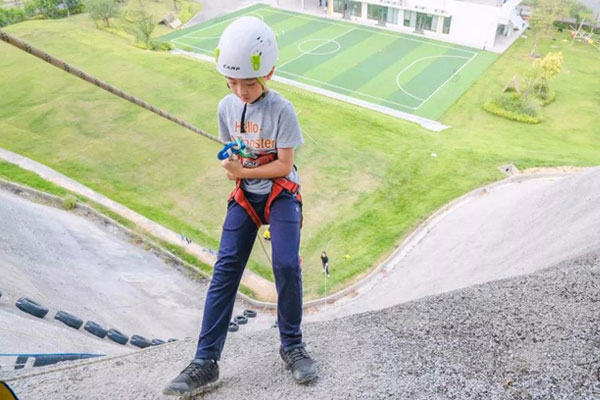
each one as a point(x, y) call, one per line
point(515, 107)
point(11, 15)
point(48, 8)
point(69, 202)
point(161, 46)
point(30, 9)
point(543, 92)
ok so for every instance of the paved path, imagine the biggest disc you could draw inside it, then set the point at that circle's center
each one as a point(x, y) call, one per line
point(510, 229)
point(263, 288)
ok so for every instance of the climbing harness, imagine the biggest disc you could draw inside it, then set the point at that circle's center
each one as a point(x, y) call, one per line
point(279, 186)
point(237, 147)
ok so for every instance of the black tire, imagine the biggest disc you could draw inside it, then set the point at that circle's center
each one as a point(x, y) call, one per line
point(250, 313)
point(117, 336)
point(172, 340)
point(233, 327)
point(31, 307)
point(157, 342)
point(140, 341)
point(69, 319)
point(241, 320)
point(95, 329)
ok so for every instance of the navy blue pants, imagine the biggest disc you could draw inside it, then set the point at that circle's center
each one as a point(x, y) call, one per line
point(237, 239)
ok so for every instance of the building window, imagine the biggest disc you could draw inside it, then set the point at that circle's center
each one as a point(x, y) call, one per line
point(392, 15)
point(378, 13)
point(353, 7)
point(338, 6)
point(424, 22)
point(447, 22)
point(407, 17)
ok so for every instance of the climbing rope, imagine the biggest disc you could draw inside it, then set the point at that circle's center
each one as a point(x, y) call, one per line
point(111, 89)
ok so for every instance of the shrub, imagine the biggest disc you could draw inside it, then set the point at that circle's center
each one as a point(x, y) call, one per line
point(543, 92)
point(515, 107)
point(69, 202)
point(160, 46)
point(11, 15)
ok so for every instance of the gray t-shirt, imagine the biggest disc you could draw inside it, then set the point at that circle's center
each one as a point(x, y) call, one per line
point(271, 123)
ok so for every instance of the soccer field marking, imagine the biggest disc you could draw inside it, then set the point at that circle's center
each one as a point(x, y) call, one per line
point(193, 47)
point(339, 46)
point(447, 80)
point(346, 89)
point(202, 37)
point(257, 14)
point(187, 35)
point(415, 62)
point(303, 54)
point(375, 30)
point(350, 90)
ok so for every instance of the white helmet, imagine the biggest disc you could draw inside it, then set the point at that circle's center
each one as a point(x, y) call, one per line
point(247, 49)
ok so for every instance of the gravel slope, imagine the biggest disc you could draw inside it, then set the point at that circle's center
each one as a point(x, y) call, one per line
point(530, 337)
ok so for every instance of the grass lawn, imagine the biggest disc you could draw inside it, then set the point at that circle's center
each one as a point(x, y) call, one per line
point(368, 179)
point(402, 72)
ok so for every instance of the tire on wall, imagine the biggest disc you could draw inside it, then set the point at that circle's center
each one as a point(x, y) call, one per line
point(250, 313)
point(69, 319)
point(157, 342)
point(117, 336)
point(233, 327)
point(31, 307)
point(241, 320)
point(95, 329)
point(140, 341)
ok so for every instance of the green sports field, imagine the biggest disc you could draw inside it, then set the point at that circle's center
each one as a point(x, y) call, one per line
point(401, 72)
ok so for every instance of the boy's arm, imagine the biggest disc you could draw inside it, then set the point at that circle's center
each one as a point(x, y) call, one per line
point(278, 168)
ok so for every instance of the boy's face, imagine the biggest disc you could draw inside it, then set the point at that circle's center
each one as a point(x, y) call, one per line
point(248, 90)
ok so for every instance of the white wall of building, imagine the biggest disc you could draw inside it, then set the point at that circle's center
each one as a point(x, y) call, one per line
point(474, 22)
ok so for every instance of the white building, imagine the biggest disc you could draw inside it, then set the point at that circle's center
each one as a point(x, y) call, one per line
point(485, 24)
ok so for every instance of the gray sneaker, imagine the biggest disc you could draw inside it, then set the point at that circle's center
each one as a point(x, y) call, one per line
point(297, 359)
point(198, 377)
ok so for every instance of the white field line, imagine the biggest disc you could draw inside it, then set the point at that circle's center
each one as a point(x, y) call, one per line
point(397, 36)
point(446, 81)
point(189, 45)
point(429, 124)
point(354, 91)
point(217, 24)
point(317, 19)
point(413, 63)
point(321, 45)
point(345, 89)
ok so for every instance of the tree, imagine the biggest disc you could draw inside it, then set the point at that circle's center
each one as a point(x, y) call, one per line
point(102, 10)
point(579, 11)
point(145, 24)
point(543, 17)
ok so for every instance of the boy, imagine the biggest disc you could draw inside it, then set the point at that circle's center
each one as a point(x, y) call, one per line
point(267, 191)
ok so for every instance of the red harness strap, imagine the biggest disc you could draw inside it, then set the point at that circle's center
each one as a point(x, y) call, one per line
point(279, 185)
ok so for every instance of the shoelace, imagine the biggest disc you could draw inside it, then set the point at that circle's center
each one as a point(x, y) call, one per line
point(198, 373)
point(298, 354)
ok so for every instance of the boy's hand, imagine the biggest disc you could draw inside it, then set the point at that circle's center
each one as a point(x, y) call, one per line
point(233, 167)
